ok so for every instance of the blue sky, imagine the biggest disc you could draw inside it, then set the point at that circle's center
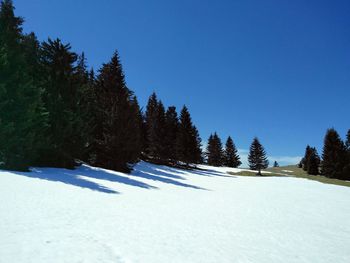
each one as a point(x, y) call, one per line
point(276, 69)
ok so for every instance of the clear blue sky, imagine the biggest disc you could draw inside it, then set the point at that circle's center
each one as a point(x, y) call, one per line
point(276, 69)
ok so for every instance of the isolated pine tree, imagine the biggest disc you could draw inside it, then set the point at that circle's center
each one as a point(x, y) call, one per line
point(333, 156)
point(188, 148)
point(171, 129)
point(22, 115)
point(231, 157)
point(257, 156)
point(275, 164)
point(119, 141)
point(313, 162)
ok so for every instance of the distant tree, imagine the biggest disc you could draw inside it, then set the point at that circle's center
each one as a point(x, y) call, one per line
point(149, 119)
point(257, 156)
point(171, 129)
point(347, 141)
point(275, 164)
point(231, 157)
point(119, 143)
point(300, 164)
point(196, 146)
point(333, 156)
point(305, 160)
point(346, 171)
point(188, 148)
point(313, 162)
point(23, 118)
point(215, 153)
point(155, 129)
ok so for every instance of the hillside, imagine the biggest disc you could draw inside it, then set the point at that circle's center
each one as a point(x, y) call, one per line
point(163, 214)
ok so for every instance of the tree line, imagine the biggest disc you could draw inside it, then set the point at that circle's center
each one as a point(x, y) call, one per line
point(55, 111)
point(335, 159)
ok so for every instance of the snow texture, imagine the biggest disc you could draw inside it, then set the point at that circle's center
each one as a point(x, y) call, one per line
point(162, 214)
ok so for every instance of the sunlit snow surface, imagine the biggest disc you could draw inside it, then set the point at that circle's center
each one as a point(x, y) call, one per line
point(162, 214)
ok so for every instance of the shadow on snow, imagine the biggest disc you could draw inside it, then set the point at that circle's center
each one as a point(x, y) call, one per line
point(80, 177)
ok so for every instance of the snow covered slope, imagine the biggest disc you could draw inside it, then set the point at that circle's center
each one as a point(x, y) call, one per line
point(162, 214)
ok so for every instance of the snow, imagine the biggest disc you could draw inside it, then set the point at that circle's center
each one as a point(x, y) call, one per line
point(287, 171)
point(162, 214)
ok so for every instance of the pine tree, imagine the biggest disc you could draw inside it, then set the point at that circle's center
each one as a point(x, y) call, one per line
point(64, 86)
point(346, 170)
point(118, 138)
point(300, 164)
point(188, 148)
point(313, 162)
point(305, 160)
point(215, 153)
point(275, 164)
point(196, 146)
point(231, 157)
point(171, 128)
point(257, 156)
point(333, 155)
point(85, 108)
point(347, 141)
point(155, 129)
point(22, 115)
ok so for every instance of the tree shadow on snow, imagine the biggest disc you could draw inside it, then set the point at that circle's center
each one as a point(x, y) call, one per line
point(162, 174)
point(79, 177)
point(176, 173)
point(208, 172)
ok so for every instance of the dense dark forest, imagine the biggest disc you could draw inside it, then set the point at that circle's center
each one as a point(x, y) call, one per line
point(335, 161)
point(55, 111)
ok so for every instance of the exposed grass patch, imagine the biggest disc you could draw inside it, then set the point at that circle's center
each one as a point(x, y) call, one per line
point(300, 173)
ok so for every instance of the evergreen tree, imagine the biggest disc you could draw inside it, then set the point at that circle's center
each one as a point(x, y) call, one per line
point(257, 156)
point(171, 128)
point(231, 157)
point(333, 156)
point(63, 97)
point(305, 160)
point(86, 107)
point(275, 164)
point(300, 164)
point(149, 118)
point(156, 130)
point(22, 115)
point(188, 148)
point(119, 141)
point(215, 153)
point(313, 162)
point(196, 146)
point(347, 141)
point(346, 170)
